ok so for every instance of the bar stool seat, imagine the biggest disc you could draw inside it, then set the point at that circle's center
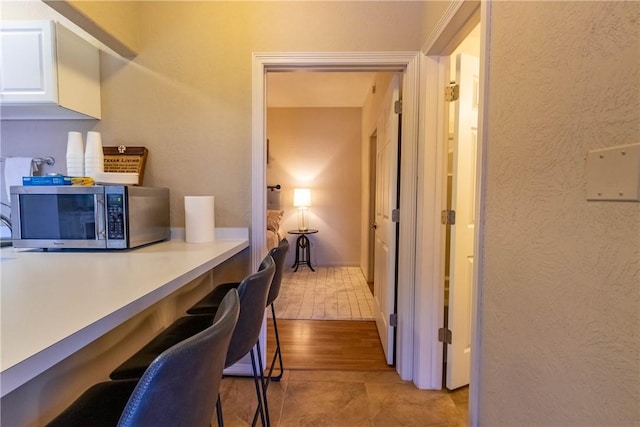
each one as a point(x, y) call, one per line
point(100, 406)
point(210, 303)
point(179, 330)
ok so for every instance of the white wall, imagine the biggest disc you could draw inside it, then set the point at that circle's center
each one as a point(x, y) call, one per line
point(560, 283)
point(319, 148)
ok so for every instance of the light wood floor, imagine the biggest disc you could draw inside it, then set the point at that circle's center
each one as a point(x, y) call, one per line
point(328, 345)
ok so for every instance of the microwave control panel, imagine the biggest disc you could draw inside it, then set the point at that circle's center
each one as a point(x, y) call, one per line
point(115, 216)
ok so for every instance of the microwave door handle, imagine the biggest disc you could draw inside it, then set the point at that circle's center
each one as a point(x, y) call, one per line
point(100, 214)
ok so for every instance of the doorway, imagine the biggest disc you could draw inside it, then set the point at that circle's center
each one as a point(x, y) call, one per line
point(421, 240)
point(314, 127)
point(317, 125)
point(462, 101)
point(457, 23)
point(409, 64)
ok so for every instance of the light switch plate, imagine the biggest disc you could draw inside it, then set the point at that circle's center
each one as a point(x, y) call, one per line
point(614, 173)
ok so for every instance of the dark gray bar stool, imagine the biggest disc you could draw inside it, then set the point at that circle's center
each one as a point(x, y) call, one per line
point(209, 304)
point(253, 291)
point(178, 388)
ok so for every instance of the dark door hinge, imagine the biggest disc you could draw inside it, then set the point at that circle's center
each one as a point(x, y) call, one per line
point(393, 320)
point(444, 335)
point(397, 107)
point(395, 215)
point(448, 217)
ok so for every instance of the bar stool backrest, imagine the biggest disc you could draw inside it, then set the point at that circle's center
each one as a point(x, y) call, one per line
point(253, 291)
point(180, 387)
point(279, 253)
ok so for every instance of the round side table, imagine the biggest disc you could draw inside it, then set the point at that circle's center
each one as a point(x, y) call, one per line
point(303, 248)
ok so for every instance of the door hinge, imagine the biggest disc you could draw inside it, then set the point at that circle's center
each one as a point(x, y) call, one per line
point(395, 215)
point(393, 320)
point(448, 217)
point(444, 335)
point(451, 93)
point(397, 107)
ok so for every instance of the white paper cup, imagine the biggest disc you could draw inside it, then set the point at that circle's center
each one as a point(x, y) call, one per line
point(75, 146)
point(94, 145)
point(75, 171)
point(75, 154)
point(94, 163)
point(93, 155)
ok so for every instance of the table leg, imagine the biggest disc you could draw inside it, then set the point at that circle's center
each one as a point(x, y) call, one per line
point(297, 261)
point(307, 247)
point(303, 253)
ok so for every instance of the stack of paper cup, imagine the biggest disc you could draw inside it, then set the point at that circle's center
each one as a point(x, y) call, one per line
point(93, 155)
point(75, 154)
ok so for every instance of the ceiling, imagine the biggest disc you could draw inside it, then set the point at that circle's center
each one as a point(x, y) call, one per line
point(318, 89)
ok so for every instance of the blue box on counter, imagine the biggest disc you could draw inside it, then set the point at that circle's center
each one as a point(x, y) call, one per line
point(46, 180)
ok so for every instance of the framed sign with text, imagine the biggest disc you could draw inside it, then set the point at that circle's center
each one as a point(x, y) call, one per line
point(123, 159)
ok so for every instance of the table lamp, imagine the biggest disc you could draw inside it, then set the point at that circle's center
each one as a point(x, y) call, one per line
point(302, 200)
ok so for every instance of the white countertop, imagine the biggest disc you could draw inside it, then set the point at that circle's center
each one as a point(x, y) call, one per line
point(54, 303)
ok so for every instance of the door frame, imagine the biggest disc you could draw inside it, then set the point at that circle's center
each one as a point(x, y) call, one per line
point(459, 18)
point(407, 62)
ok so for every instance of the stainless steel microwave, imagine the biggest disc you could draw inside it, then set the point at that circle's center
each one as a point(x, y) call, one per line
point(88, 217)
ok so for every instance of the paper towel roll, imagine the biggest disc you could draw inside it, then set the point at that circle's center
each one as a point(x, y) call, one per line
point(199, 219)
point(15, 168)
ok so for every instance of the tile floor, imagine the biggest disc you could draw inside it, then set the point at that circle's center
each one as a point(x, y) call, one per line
point(344, 398)
point(329, 293)
point(338, 398)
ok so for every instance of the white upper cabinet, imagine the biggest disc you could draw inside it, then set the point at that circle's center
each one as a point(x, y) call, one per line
point(48, 72)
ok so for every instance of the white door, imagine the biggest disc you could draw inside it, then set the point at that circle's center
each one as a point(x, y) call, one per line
point(462, 232)
point(385, 228)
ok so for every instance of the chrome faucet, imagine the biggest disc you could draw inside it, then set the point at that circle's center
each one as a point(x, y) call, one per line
point(5, 219)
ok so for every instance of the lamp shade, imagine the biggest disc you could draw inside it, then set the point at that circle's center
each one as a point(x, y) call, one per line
point(301, 197)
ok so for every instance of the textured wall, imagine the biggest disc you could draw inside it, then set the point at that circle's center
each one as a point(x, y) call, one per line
point(560, 341)
point(319, 148)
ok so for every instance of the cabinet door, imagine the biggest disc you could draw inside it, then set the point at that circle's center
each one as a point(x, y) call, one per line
point(28, 63)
